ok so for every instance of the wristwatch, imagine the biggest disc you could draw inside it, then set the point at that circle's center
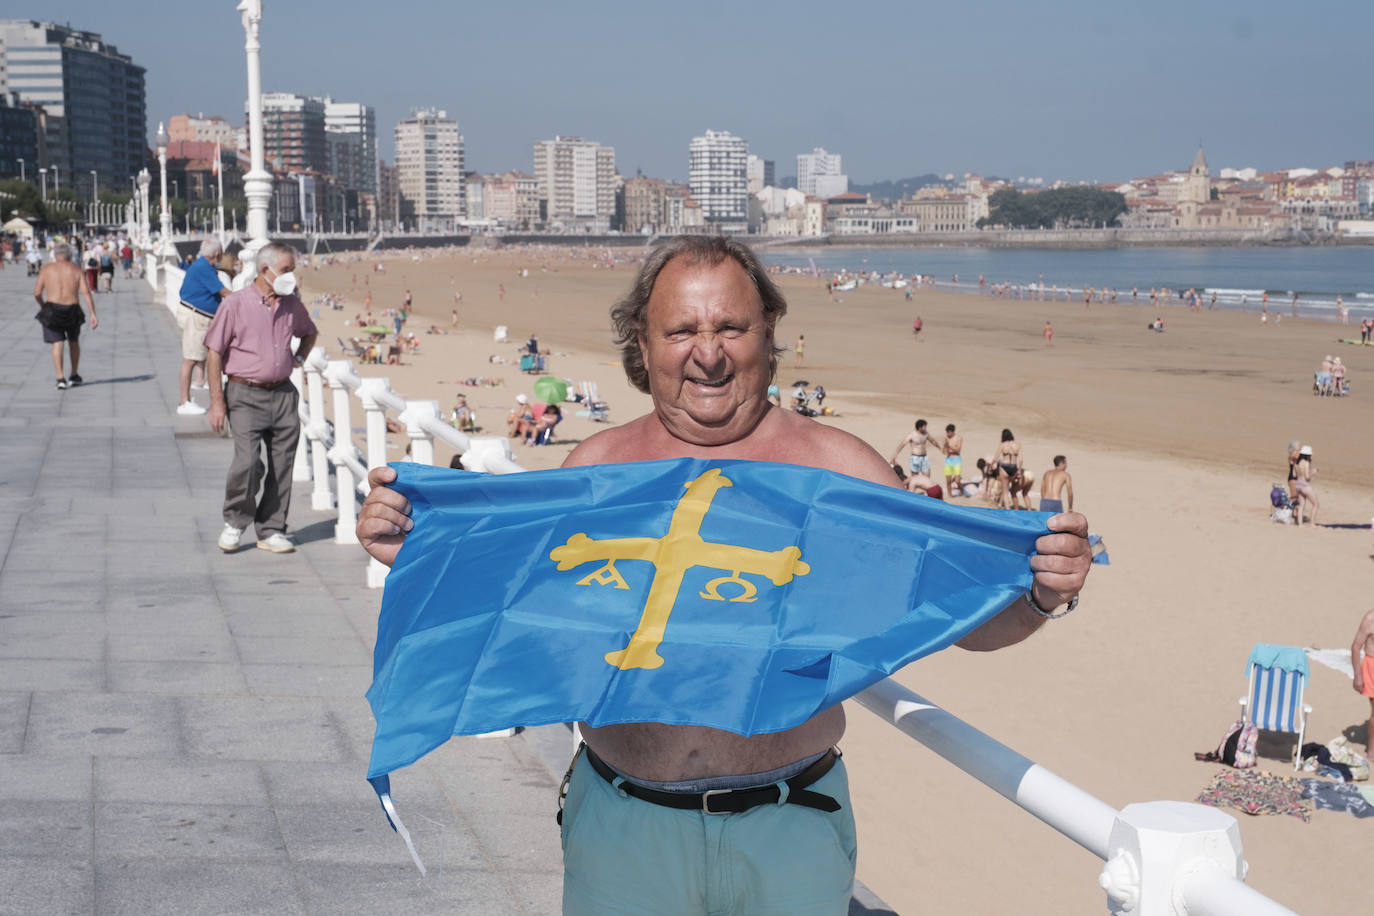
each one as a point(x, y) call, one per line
point(1035, 606)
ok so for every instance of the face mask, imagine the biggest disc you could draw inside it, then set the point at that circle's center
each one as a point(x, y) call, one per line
point(284, 284)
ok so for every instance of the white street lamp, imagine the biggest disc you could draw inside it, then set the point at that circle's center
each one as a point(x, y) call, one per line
point(165, 249)
point(257, 184)
point(43, 174)
point(145, 231)
point(21, 169)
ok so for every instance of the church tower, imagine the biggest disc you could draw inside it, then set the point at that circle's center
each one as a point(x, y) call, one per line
point(1199, 181)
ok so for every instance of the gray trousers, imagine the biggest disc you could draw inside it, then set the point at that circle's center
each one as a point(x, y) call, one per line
point(259, 417)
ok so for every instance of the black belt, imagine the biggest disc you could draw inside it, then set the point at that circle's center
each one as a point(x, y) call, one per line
point(270, 386)
point(196, 310)
point(730, 801)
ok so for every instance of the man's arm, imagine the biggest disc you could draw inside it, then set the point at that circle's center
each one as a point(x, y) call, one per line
point(897, 452)
point(1068, 491)
point(1362, 637)
point(306, 346)
point(214, 367)
point(90, 300)
point(1061, 563)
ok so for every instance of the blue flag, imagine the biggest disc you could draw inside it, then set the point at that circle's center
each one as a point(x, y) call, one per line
point(745, 596)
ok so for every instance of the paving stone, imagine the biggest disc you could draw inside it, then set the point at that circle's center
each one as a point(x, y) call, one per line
point(368, 888)
point(59, 887)
point(14, 722)
point(262, 728)
point(88, 645)
point(356, 833)
point(308, 680)
point(150, 830)
point(309, 650)
point(179, 781)
point(174, 647)
point(142, 888)
point(94, 724)
point(58, 830)
point(51, 674)
point(181, 678)
point(34, 777)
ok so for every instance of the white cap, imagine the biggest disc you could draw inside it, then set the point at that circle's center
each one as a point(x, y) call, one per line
point(1305, 450)
point(521, 399)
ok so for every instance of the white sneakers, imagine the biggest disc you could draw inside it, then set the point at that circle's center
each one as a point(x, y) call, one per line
point(229, 538)
point(277, 543)
point(190, 409)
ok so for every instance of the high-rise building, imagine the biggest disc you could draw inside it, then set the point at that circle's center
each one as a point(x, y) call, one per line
point(512, 199)
point(760, 174)
point(821, 174)
point(717, 173)
point(576, 182)
point(388, 195)
point(293, 132)
point(357, 119)
point(18, 139)
point(93, 98)
point(185, 128)
point(429, 171)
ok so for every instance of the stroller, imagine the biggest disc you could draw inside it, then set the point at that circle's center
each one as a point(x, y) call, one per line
point(1283, 506)
point(802, 399)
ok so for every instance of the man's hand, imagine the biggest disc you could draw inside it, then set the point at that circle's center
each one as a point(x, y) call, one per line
point(95, 322)
point(217, 414)
point(1062, 560)
point(384, 518)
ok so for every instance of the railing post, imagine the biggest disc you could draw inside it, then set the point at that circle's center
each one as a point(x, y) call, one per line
point(335, 373)
point(321, 500)
point(376, 454)
point(421, 442)
point(300, 468)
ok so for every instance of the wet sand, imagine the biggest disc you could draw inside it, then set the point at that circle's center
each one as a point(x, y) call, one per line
point(1173, 440)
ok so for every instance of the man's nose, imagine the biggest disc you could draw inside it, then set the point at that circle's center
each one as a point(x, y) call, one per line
point(708, 349)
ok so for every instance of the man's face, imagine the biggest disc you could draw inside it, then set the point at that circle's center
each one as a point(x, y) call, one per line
point(706, 347)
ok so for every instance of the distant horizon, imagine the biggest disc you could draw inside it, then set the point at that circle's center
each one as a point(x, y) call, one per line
point(1080, 93)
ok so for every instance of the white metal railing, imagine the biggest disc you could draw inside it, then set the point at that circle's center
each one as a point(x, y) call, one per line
point(1162, 858)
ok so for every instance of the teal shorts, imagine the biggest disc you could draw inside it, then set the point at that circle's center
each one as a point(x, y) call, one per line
point(622, 855)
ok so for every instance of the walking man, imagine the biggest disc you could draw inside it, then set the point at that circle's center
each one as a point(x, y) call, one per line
point(201, 292)
point(249, 340)
point(58, 289)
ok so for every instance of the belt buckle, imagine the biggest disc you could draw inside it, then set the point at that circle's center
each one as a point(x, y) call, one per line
point(706, 800)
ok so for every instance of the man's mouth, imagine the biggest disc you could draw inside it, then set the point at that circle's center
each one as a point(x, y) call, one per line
point(713, 383)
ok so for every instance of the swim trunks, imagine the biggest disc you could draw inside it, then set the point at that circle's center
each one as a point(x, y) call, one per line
point(60, 322)
point(954, 465)
point(1367, 669)
point(1051, 505)
point(1323, 378)
point(920, 464)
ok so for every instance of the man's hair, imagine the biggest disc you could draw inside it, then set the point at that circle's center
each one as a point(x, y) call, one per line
point(920, 425)
point(628, 316)
point(62, 251)
point(949, 428)
point(1059, 459)
point(211, 249)
point(271, 254)
point(1007, 436)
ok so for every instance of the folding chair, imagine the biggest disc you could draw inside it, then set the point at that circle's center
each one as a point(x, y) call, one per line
point(595, 408)
point(1273, 702)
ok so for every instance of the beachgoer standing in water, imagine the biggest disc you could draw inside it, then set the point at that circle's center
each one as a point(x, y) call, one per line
point(1049, 334)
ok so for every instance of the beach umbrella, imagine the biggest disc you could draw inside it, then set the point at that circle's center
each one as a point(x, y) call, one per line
point(550, 390)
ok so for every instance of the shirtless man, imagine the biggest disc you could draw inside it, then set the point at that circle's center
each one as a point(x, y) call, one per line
point(952, 446)
point(58, 289)
point(1364, 672)
point(920, 463)
point(1056, 487)
point(696, 332)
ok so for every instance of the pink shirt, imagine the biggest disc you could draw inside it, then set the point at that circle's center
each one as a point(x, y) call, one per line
point(253, 336)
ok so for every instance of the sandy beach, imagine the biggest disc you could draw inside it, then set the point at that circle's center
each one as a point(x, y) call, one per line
point(1173, 440)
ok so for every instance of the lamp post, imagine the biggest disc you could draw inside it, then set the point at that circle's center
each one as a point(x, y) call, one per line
point(21, 169)
point(164, 248)
point(257, 184)
point(145, 231)
point(43, 174)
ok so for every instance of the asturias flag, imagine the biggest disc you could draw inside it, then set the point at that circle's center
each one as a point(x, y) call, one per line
point(741, 595)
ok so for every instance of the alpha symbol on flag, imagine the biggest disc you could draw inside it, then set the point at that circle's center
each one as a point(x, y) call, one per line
point(672, 556)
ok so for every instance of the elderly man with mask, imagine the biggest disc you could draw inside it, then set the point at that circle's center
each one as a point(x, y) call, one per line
point(249, 340)
point(697, 333)
point(201, 292)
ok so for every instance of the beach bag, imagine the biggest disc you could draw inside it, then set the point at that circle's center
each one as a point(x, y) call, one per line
point(1237, 747)
point(1277, 497)
point(1283, 515)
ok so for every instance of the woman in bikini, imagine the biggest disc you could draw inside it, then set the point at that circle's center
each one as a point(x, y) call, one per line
point(1307, 496)
point(1009, 461)
point(1292, 471)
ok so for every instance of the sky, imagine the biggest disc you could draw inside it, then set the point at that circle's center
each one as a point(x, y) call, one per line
point(1075, 90)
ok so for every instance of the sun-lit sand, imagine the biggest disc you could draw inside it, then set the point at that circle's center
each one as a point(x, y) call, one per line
point(1173, 441)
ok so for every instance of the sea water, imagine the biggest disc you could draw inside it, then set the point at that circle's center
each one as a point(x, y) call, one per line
point(1239, 276)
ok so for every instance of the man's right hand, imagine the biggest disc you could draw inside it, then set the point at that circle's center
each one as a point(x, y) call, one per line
point(384, 519)
point(217, 415)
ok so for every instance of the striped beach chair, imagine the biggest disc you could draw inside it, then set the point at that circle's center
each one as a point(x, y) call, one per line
point(1273, 702)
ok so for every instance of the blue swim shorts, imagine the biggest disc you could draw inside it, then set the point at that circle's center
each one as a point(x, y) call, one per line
point(627, 856)
point(1051, 505)
point(920, 464)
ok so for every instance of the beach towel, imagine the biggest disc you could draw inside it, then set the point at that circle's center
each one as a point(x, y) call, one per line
point(1257, 792)
point(1335, 796)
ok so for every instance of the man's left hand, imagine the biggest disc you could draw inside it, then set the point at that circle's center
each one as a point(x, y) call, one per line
point(1062, 560)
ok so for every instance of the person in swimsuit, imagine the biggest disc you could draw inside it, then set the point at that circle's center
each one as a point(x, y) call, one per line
point(1364, 671)
point(920, 462)
point(58, 290)
point(1292, 471)
point(801, 348)
point(1009, 460)
point(1308, 504)
point(1049, 334)
point(952, 445)
point(1056, 487)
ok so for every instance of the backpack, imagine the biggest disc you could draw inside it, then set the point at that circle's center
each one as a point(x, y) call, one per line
point(1237, 747)
point(1278, 497)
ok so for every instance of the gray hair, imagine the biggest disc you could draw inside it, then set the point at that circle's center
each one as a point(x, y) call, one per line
point(628, 315)
point(270, 255)
point(211, 249)
point(62, 251)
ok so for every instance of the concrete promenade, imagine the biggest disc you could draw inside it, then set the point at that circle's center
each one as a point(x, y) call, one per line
point(184, 731)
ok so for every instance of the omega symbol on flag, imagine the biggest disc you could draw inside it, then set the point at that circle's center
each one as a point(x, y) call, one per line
point(672, 556)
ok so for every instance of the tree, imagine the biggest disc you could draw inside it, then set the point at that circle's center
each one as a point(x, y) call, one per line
point(1059, 208)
